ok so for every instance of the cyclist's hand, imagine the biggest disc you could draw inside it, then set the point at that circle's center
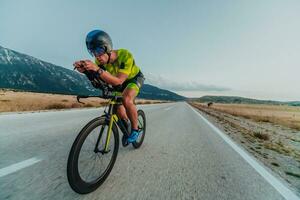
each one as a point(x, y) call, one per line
point(79, 65)
point(90, 66)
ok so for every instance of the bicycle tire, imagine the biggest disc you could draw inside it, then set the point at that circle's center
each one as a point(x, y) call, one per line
point(137, 145)
point(76, 182)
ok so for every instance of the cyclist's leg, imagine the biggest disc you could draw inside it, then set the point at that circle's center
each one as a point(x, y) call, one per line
point(129, 95)
point(121, 112)
point(130, 92)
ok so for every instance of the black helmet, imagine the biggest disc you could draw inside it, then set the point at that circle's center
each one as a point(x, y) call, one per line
point(98, 40)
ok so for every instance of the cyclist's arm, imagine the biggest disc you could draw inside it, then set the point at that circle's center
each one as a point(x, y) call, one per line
point(125, 69)
point(106, 76)
point(113, 80)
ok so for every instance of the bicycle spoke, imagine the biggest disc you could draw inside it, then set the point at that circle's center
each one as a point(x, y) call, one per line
point(139, 121)
point(88, 176)
point(100, 165)
point(90, 140)
point(94, 164)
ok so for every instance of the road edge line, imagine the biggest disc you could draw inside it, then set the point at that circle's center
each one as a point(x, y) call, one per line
point(272, 180)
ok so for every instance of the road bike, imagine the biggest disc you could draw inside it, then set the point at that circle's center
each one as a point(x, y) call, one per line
point(95, 149)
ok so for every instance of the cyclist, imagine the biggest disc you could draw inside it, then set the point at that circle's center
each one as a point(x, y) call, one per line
point(117, 68)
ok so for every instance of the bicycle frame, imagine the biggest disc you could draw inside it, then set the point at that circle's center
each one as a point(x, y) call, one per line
point(112, 117)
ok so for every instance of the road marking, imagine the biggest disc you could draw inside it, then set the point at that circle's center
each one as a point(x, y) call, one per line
point(18, 166)
point(169, 108)
point(278, 185)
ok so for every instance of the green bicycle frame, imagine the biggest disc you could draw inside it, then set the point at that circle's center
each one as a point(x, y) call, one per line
point(113, 119)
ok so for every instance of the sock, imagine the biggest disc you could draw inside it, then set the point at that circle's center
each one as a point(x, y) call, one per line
point(134, 130)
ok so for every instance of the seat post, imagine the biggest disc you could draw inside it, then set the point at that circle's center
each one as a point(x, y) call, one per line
point(110, 109)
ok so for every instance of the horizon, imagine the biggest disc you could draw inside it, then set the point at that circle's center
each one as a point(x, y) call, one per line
point(181, 93)
point(246, 49)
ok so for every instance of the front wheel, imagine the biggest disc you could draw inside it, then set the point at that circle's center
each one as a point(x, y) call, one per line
point(141, 128)
point(88, 163)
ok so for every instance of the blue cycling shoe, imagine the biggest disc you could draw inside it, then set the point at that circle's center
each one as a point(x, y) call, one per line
point(133, 136)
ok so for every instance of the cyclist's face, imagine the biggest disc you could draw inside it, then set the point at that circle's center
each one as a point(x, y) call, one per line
point(102, 58)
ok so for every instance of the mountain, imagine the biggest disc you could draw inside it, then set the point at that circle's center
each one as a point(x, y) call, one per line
point(20, 71)
point(157, 93)
point(23, 72)
point(242, 100)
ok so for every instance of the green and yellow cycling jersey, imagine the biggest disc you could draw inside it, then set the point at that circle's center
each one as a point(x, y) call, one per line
point(124, 64)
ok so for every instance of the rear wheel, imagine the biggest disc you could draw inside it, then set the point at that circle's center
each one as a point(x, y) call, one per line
point(141, 128)
point(88, 164)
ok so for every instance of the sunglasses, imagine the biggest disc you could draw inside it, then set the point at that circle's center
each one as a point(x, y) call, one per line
point(98, 51)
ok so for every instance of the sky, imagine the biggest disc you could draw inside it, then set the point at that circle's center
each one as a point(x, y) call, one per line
point(192, 47)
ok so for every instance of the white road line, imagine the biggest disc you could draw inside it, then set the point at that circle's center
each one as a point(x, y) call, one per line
point(18, 166)
point(278, 185)
point(169, 108)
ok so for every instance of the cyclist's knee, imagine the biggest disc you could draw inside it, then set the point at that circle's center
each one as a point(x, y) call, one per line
point(127, 100)
point(128, 96)
point(121, 112)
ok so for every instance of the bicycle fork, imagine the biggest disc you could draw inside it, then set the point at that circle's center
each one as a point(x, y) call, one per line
point(112, 119)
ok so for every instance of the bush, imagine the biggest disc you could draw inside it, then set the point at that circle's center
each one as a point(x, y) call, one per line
point(56, 106)
point(88, 105)
point(262, 136)
point(5, 100)
point(75, 105)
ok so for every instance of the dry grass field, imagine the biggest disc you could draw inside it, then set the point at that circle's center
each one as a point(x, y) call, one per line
point(288, 116)
point(13, 101)
point(270, 133)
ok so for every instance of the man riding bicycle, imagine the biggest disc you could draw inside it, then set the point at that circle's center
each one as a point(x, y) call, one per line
point(117, 68)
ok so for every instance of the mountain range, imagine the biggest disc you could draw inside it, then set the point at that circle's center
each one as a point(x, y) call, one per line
point(242, 100)
point(24, 72)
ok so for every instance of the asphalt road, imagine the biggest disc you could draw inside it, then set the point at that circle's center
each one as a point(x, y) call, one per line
point(182, 158)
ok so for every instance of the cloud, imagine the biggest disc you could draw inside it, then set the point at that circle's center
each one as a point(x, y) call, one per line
point(165, 83)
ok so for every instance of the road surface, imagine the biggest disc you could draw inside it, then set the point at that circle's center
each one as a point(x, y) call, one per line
point(182, 157)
